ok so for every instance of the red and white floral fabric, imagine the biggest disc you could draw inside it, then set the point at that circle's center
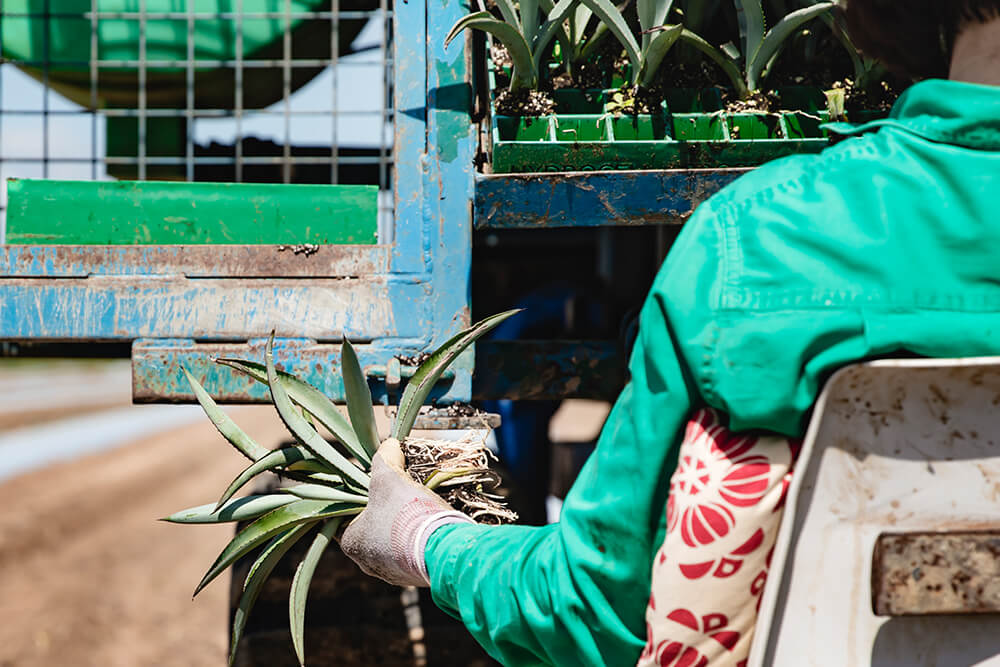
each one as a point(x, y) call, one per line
point(722, 519)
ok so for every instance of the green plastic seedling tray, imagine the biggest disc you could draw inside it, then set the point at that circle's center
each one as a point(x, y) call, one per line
point(585, 142)
point(690, 130)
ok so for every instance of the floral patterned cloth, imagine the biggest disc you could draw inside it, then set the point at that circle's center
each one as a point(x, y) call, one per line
point(723, 514)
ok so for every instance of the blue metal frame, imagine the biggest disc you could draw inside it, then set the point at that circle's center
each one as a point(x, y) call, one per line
point(184, 305)
point(595, 198)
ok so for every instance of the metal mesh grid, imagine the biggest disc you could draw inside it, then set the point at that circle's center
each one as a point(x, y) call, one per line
point(287, 91)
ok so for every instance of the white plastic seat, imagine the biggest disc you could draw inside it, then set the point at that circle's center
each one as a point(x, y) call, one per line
point(893, 446)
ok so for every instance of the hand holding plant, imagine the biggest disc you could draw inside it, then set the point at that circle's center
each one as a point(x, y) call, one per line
point(334, 477)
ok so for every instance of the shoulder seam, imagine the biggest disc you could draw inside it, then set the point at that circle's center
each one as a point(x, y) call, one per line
point(729, 212)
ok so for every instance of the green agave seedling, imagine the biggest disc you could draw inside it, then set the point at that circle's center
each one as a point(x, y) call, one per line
point(867, 71)
point(333, 478)
point(577, 42)
point(645, 55)
point(748, 68)
point(521, 33)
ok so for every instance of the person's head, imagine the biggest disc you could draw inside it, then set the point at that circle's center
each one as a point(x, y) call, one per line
point(914, 38)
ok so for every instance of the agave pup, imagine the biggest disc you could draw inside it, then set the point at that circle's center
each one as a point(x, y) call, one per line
point(332, 477)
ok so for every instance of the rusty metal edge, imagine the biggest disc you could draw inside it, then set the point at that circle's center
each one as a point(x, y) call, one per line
point(595, 198)
point(194, 261)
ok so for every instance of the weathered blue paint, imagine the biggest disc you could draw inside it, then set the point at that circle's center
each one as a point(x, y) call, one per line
point(448, 183)
point(589, 199)
point(157, 364)
point(114, 308)
point(411, 247)
point(406, 296)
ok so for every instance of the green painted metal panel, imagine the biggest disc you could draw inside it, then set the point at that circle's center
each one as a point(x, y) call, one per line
point(46, 212)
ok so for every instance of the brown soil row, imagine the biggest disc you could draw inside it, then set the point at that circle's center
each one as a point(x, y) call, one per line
point(89, 577)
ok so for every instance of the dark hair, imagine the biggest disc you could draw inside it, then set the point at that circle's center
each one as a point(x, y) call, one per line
point(914, 37)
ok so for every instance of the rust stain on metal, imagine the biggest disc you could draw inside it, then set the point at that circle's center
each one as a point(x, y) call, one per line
point(193, 261)
point(941, 572)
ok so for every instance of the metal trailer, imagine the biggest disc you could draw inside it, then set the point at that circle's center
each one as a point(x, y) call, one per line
point(173, 304)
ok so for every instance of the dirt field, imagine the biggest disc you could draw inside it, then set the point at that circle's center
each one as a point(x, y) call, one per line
point(89, 577)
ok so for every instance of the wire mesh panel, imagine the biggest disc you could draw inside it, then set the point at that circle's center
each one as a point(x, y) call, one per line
point(286, 91)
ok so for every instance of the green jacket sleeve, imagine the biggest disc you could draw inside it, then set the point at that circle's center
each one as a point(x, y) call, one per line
point(575, 592)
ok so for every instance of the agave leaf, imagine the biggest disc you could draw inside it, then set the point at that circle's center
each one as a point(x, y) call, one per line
point(276, 459)
point(750, 16)
point(327, 478)
point(652, 14)
point(309, 465)
point(529, 20)
point(524, 75)
point(653, 56)
point(731, 50)
point(728, 65)
point(226, 426)
point(566, 43)
point(609, 14)
point(775, 38)
point(300, 586)
point(578, 21)
point(552, 27)
point(269, 525)
point(323, 492)
point(594, 41)
point(306, 434)
point(359, 399)
point(310, 398)
point(259, 572)
point(509, 13)
point(439, 477)
point(241, 509)
point(835, 98)
point(852, 51)
point(428, 373)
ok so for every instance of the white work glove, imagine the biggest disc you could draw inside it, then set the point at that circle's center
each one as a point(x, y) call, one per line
point(388, 538)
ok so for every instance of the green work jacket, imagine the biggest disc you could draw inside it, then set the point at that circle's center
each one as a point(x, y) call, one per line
point(886, 243)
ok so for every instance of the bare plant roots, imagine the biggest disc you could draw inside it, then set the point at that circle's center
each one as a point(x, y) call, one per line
point(463, 465)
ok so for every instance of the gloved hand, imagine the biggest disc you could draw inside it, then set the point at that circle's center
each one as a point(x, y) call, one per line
point(388, 538)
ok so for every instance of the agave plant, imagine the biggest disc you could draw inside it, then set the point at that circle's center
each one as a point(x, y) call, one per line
point(577, 42)
point(748, 66)
point(646, 54)
point(332, 476)
point(867, 71)
point(521, 33)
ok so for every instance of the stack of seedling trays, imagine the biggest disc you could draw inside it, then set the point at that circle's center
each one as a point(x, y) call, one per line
point(690, 129)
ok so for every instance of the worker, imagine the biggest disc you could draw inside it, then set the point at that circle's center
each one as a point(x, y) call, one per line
point(886, 243)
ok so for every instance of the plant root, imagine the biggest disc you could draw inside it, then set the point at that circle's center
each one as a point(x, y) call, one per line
point(468, 493)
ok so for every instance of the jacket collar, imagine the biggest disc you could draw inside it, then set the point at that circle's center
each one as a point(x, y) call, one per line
point(951, 112)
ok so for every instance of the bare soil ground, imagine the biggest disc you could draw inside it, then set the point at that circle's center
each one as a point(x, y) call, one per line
point(87, 574)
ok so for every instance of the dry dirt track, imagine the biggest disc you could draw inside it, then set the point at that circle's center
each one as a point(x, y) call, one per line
point(87, 574)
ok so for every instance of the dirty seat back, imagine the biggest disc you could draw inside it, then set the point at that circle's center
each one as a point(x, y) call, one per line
point(888, 545)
